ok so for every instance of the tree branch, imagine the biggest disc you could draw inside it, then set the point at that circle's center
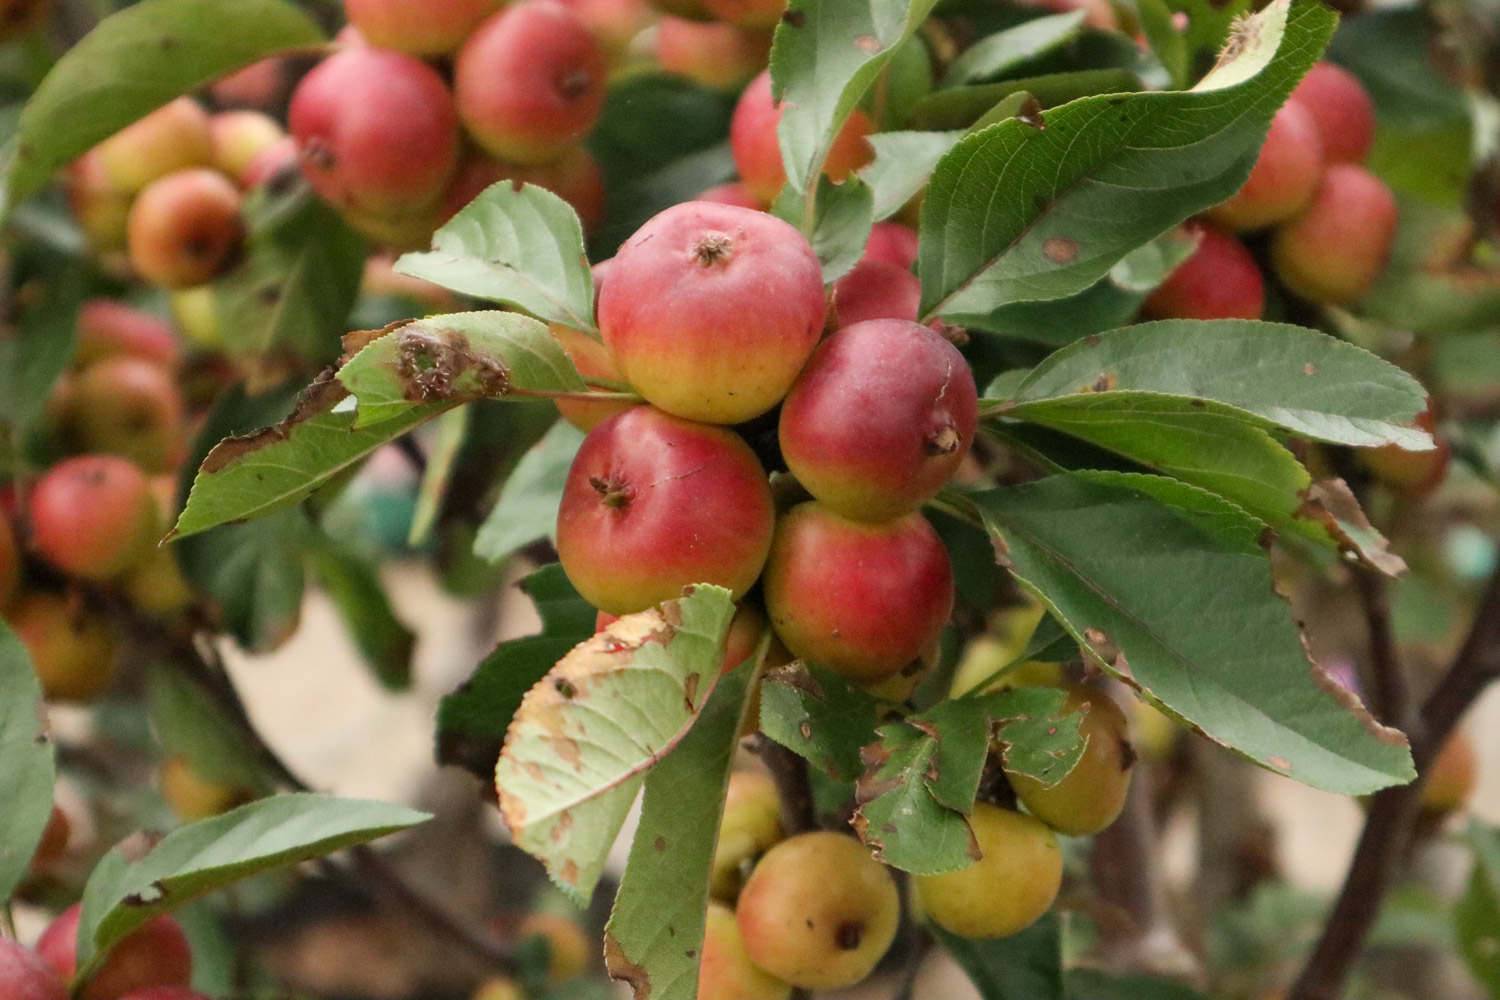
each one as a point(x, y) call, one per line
point(1394, 812)
point(1388, 693)
point(789, 772)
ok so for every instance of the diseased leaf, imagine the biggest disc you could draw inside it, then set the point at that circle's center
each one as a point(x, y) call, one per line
point(1026, 966)
point(521, 247)
point(825, 56)
point(1033, 735)
point(527, 508)
point(997, 54)
point(654, 939)
point(818, 715)
point(27, 764)
point(583, 738)
point(197, 859)
point(1020, 213)
point(898, 818)
point(135, 61)
point(1171, 590)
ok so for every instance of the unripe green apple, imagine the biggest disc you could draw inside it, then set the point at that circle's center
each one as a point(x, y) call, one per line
point(879, 419)
point(24, 976)
point(1342, 109)
point(192, 796)
point(818, 911)
point(196, 312)
point(174, 137)
point(654, 503)
point(568, 949)
point(863, 599)
point(725, 971)
point(1221, 280)
point(1284, 177)
point(155, 954)
point(711, 311)
point(185, 228)
point(530, 82)
point(1451, 777)
point(715, 55)
point(109, 329)
point(873, 290)
point(751, 825)
point(418, 27)
point(757, 150)
point(240, 137)
point(10, 563)
point(377, 132)
point(1015, 881)
point(72, 650)
point(127, 407)
point(893, 243)
point(1091, 796)
point(1333, 252)
point(157, 586)
point(94, 516)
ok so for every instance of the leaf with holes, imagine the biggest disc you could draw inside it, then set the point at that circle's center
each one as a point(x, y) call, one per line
point(584, 737)
point(818, 715)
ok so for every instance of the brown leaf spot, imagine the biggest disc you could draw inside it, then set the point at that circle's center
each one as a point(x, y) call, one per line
point(1350, 702)
point(1030, 113)
point(867, 43)
point(1060, 249)
point(438, 365)
point(1309, 369)
point(318, 398)
point(619, 966)
point(1330, 503)
point(1106, 382)
point(794, 18)
point(660, 843)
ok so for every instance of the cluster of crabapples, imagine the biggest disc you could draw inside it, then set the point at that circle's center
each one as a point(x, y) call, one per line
point(154, 962)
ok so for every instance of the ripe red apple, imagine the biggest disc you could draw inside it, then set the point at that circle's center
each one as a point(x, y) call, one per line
point(757, 151)
point(173, 137)
point(710, 53)
point(128, 407)
point(185, 227)
point(94, 516)
point(24, 976)
point(72, 650)
point(725, 971)
point(893, 243)
point(240, 137)
point(614, 23)
point(1284, 177)
point(530, 82)
point(10, 563)
point(862, 599)
point(1337, 247)
point(110, 329)
point(654, 503)
point(711, 310)
point(574, 177)
point(875, 289)
point(276, 159)
point(733, 193)
point(155, 954)
point(20, 17)
point(1344, 113)
point(418, 27)
point(376, 130)
point(879, 419)
point(259, 85)
point(1221, 280)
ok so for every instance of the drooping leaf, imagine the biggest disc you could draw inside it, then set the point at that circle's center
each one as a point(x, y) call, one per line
point(27, 765)
point(207, 855)
point(192, 724)
point(839, 227)
point(451, 429)
point(995, 55)
point(826, 55)
point(654, 938)
point(1027, 966)
point(1170, 589)
point(354, 587)
point(1272, 375)
point(903, 162)
point(818, 715)
point(135, 61)
point(527, 508)
point(519, 247)
point(1016, 212)
point(584, 737)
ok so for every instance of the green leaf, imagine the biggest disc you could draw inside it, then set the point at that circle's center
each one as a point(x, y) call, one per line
point(980, 105)
point(452, 427)
point(1035, 738)
point(1169, 588)
point(558, 604)
point(826, 55)
point(1270, 375)
point(654, 938)
point(255, 573)
point(583, 738)
point(136, 61)
point(297, 283)
point(1167, 43)
point(527, 508)
point(35, 353)
point(903, 163)
point(898, 817)
point(840, 227)
point(193, 725)
point(1027, 966)
point(1425, 288)
point(818, 715)
point(197, 859)
point(520, 247)
point(27, 765)
point(354, 587)
point(1094, 984)
point(1013, 212)
point(992, 57)
point(455, 358)
point(1476, 918)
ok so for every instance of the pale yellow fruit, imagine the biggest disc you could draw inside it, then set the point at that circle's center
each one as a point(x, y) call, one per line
point(1015, 881)
point(751, 825)
point(725, 971)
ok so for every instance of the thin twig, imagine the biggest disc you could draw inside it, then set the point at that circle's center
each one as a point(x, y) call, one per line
point(789, 772)
point(1388, 693)
point(1393, 814)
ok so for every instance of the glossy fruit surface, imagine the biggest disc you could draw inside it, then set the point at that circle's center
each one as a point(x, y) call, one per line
point(859, 598)
point(1334, 251)
point(1343, 110)
point(1221, 280)
point(24, 976)
point(710, 311)
point(1091, 796)
point(185, 228)
point(93, 516)
point(757, 151)
point(1284, 177)
point(875, 289)
point(1008, 889)
point(892, 242)
point(155, 954)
